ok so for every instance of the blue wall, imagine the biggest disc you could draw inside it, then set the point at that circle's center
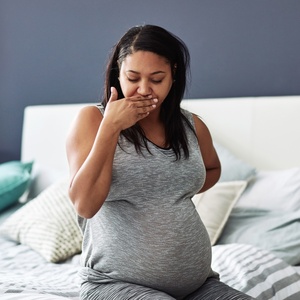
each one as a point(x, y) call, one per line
point(54, 51)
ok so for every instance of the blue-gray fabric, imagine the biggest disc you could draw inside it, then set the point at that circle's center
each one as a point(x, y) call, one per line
point(278, 232)
point(148, 234)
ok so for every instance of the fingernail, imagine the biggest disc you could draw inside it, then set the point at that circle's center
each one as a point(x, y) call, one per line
point(153, 105)
point(155, 100)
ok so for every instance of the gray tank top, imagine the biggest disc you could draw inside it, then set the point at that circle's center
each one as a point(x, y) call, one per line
point(148, 232)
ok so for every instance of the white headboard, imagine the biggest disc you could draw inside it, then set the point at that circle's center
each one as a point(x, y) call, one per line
point(262, 131)
point(45, 129)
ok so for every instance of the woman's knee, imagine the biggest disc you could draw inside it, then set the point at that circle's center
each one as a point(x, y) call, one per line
point(214, 289)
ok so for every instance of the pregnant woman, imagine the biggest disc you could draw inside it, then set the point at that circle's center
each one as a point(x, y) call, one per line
point(136, 160)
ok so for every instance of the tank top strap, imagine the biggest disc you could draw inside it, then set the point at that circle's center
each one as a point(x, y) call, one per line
point(100, 107)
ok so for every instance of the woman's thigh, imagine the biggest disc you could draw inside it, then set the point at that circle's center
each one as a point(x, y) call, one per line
point(120, 291)
point(214, 289)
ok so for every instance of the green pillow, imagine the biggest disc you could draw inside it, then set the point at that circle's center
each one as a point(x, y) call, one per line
point(14, 180)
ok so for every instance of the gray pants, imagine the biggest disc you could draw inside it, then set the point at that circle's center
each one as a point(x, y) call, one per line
point(212, 289)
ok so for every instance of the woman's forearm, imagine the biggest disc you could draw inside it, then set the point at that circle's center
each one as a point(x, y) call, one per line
point(212, 177)
point(91, 183)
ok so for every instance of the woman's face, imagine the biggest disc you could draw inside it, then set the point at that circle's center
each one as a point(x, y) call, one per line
point(145, 73)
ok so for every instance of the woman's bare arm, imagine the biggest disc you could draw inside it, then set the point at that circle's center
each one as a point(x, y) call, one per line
point(91, 146)
point(209, 155)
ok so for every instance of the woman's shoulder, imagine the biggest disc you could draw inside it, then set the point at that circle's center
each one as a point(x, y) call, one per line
point(90, 113)
point(83, 128)
point(192, 116)
point(88, 118)
point(196, 121)
point(187, 114)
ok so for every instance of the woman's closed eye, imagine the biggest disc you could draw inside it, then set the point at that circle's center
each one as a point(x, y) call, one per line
point(155, 81)
point(133, 79)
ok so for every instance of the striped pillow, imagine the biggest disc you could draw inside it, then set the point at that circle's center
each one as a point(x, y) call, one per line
point(47, 224)
point(256, 272)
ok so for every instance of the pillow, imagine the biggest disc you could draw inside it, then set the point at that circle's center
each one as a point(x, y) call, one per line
point(47, 224)
point(14, 180)
point(273, 190)
point(233, 168)
point(42, 177)
point(214, 206)
point(256, 272)
point(271, 230)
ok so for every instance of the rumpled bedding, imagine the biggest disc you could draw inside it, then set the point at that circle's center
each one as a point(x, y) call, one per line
point(25, 275)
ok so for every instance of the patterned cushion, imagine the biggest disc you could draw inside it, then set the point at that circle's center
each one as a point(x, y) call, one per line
point(47, 224)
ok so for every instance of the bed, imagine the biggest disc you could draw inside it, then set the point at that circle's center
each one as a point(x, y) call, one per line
point(252, 214)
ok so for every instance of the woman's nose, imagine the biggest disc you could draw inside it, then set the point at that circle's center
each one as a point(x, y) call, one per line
point(144, 88)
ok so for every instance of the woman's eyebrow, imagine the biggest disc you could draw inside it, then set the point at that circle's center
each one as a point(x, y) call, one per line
point(153, 73)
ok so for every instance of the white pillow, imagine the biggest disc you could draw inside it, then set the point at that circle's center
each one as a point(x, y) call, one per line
point(273, 190)
point(47, 224)
point(43, 177)
point(214, 206)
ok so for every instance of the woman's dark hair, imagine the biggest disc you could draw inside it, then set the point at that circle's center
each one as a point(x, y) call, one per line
point(163, 43)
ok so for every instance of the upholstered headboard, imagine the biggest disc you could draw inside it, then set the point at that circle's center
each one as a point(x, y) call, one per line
point(263, 131)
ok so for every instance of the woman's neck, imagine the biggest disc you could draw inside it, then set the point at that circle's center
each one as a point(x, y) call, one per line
point(154, 130)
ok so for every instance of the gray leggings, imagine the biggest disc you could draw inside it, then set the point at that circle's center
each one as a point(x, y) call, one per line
point(212, 289)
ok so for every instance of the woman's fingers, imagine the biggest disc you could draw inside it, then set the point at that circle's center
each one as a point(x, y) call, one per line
point(114, 94)
point(143, 101)
point(143, 104)
point(127, 111)
point(139, 108)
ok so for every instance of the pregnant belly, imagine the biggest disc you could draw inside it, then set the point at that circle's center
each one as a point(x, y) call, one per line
point(171, 253)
